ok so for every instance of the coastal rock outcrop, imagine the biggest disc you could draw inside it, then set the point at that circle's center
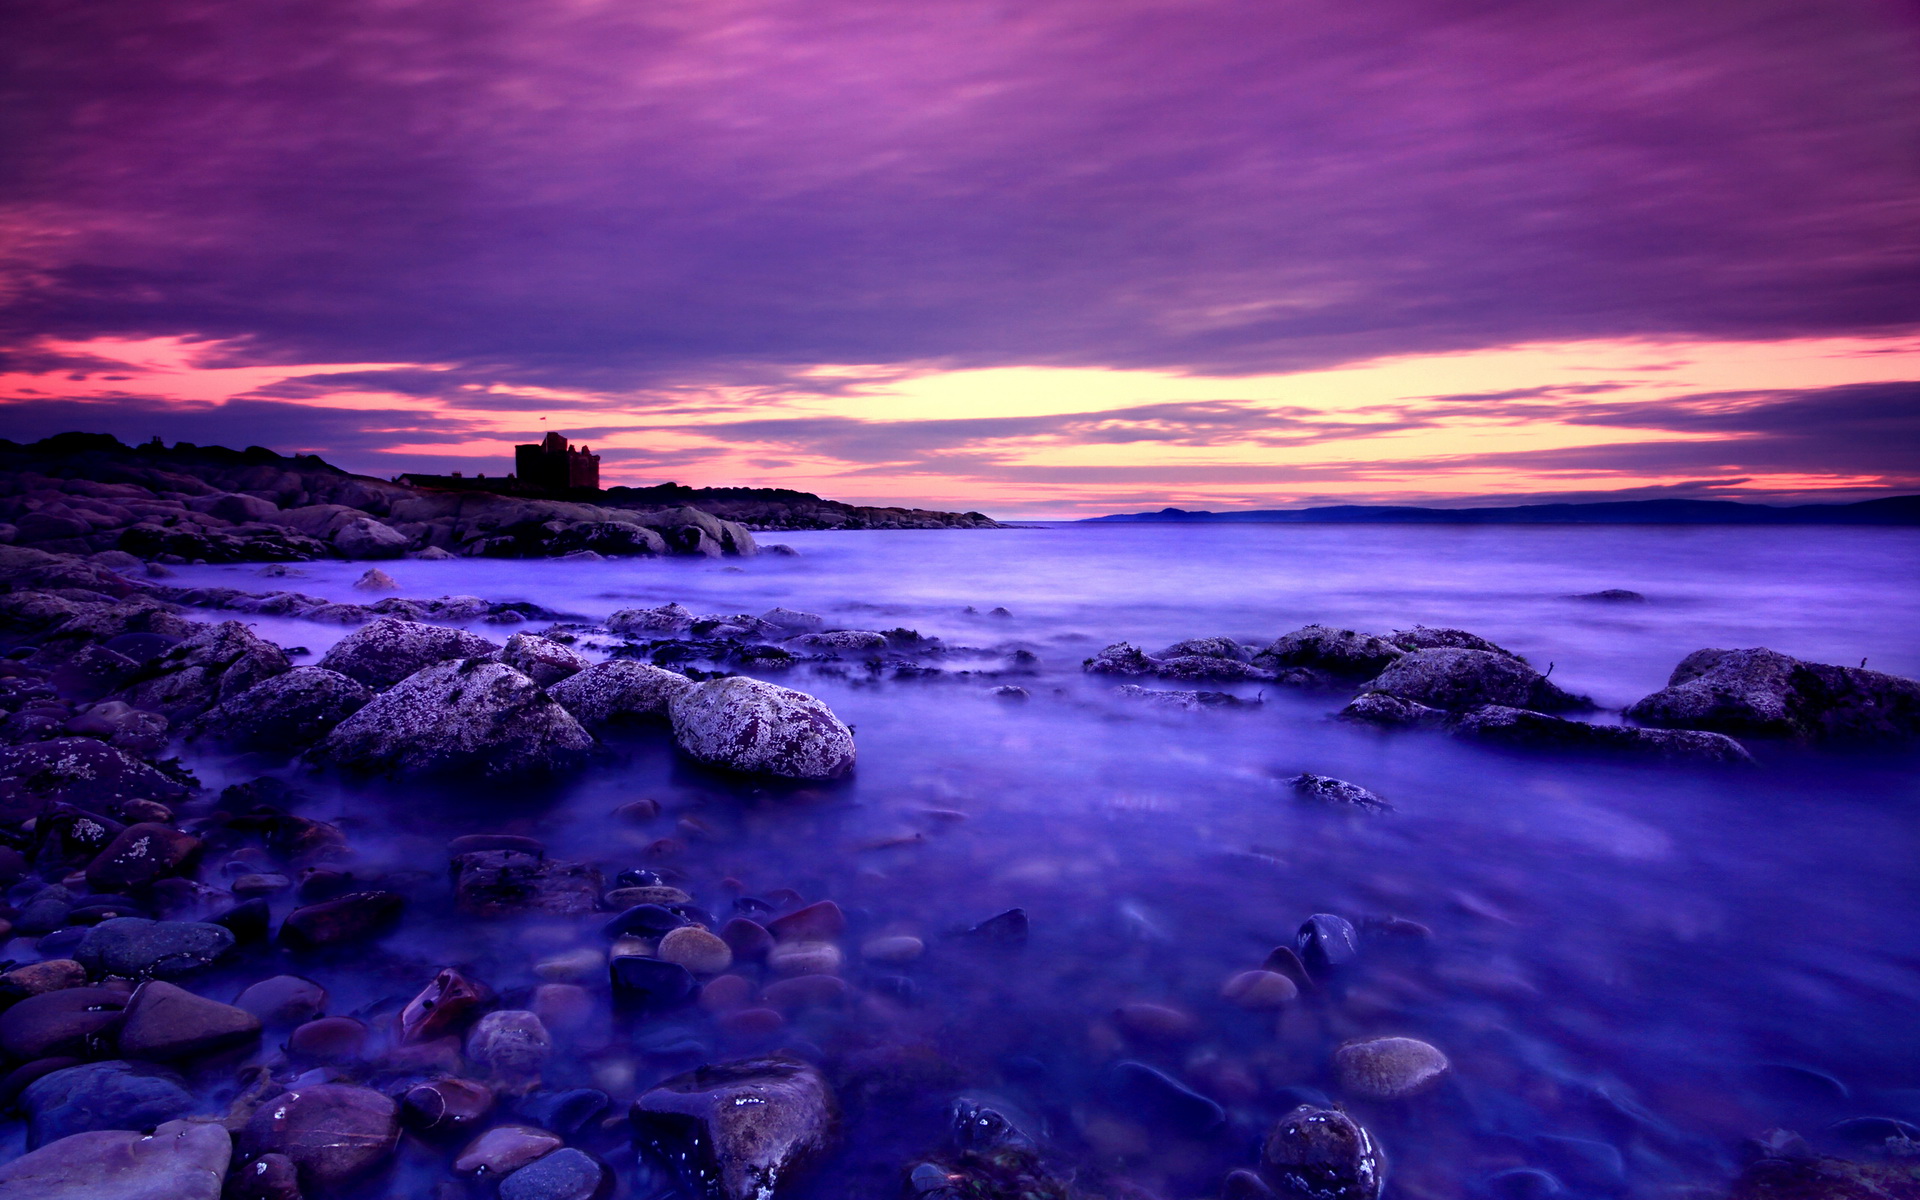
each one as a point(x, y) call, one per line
point(287, 712)
point(618, 689)
point(752, 726)
point(461, 715)
point(1456, 679)
point(216, 663)
point(383, 652)
point(1343, 653)
point(1762, 693)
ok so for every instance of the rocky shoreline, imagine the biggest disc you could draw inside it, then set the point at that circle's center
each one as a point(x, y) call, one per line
point(165, 1009)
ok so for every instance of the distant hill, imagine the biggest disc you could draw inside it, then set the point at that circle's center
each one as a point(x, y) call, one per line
point(1890, 510)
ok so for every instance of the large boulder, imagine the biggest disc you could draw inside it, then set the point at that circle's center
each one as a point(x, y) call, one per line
point(756, 727)
point(217, 663)
point(1523, 729)
point(285, 713)
point(738, 1130)
point(618, 689)
point(1339, 652)
point(364, 537)
point(381, 653)
point(101, 1095)
point(467, 714)
point(81, 771)
point(1456, 679)
point(180, 1160)
point(1762, 693)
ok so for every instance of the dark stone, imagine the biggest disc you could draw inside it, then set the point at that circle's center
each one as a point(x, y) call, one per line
point(446, 1107)
point(568, 1113)
point(381, 653)
point(1325, 789)
point(137, 948)
point(442, 1006)
point(1456, 680)
point(249, 921)
point(820, 922)
point(1524, 730)
point(566, 1174)
point(286, 712)
point(1326, 942)
point(81, 771)
point(1006, 930)
point(268, 1177)
point(102, 1095)
point(356, 917)
point(332, 1132)
point(165, 1023)
point(284, 1001)
point(650, 984)
point(1761, 693)
point(180, 1160)
point(739, 1130)
point(643, 920)
point(1322, 1154)
point(491, 883)
point(1343, 653)
point(141, 854)
point(1147, 1089)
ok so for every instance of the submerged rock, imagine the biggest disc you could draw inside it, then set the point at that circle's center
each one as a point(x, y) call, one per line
point(381, 653)
point(288, 712)
point(1327, 790)
point(1183, 701)
point(1121, 658)
point(180, 1160)
point(1392, 712)
point(1762, 693)
point(1341, 652)
point(668, 618)
point(1520, 728)
point(1455, 680)
point(756, 727)
point(333, 1132)
point(1322, 1154)
point(491, 883)
point(1389, 1068)
point(1810, 1177)
point(101, 1095)
point(618, 689)
point(738, 1130)
point(165, 1023)
point(465, 715)
point(855, 640)
point(137, 948)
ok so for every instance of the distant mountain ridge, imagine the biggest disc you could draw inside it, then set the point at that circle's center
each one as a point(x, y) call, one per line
point(1889, 510)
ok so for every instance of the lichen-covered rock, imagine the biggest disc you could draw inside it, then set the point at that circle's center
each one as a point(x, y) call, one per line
point(140, 854)
point(668, 618)
point(137, 948)
point(756, 727)
point(544, 661)
point(792, 621)
point(1325, 789)
point(1392, 712)
point(1424, 637)
point(1527, 730)
point(1183, 701)
point(1457, 679)
point(284, 713)
point(1121, 658)
point(835, 641)
point(381, 653)
point(1322, 1154)
point(364, 537)
point(618, 689)
point(1205, 666)
point(739, 1130)
point(1762, 693)
point(464, 715)
point(1341, 652)
point(1208, 647)
point(81, 771)
point(217, 663)
point(179, 1160)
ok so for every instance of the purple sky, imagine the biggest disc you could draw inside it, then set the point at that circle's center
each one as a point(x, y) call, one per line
point(634, 200)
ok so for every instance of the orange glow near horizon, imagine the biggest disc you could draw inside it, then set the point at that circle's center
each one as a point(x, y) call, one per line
point(1063, 441)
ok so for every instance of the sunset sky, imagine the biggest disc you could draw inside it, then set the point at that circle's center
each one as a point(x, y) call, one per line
point(1054, 258)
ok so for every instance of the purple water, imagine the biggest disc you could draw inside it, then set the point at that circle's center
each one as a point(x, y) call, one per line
point(1654, 961)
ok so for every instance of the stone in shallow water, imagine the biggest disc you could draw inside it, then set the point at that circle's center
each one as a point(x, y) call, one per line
point(1147, 1089)
point(504, 1148)
point(756, 727)
point(1322, 1154)
point(650, 984)
point(1260, 991)
point(491, 883)
point(467, 715)
point(102, 1095)
point(511, 1043)
point(141, 854)
point(1326, 941)
point(165, 1023)
point(179, 1161)
point(333, 1132)
point(355, 917)
point(698, 950)
point(1389, 1068)
point(441, 1005)
point(383, 652)
point(739, 1130)
point(567, 1174)
point(445, 1107)
point(282, 1001)
point(1337, 792)
point(73, 1021)
point(136, 948)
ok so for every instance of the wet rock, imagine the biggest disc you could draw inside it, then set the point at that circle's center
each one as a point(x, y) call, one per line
point(643, 920)
point(364, 537)
point(511, 1043)
point(136, 731)
point(446, 1107)
point(1343, 653)
point(504, 1148)
point(817, 922)
point(248, 920)
point(35, 979)
point(1338, 793)
point(1121, 658)
point(698, 950)
point(668, 618)
point(987, 1124)
point(137, 948)
point(749, 939)
point(101, 1095)
point(805, 991)
point(269, 1177)
point(376, 580)
point(218, 662)
point(1612, 596)
point(567, 1174)
point(329, 1040)
point(1456, 680)
point(1208, 647)
point(355, 917)
point(47, 910)
point(83, 772)
point(568, 1113)
point(892, 949)
point(464, 715)
point(1826, 1179)
point(755, 727)
point(650, 984)
point(139, 855)
point(792, 622)
point(1322, 1154)
point(442, 1006)
point(180, 1160)
point(1761, 693)
point(1260, 991)
point(1199, 666)
point(1393, 712)
point(804, 958)
point(72, 1022)
point(165, 1023)
point(92, 673)
point(619, 689)
point(1010, 693)
point(1245, 1185)
point(1156, 1022)
point(1327, 942)
point(1423, 637)
point(631, 897)
point(381, 653)
point(842, 640)
point(1149, 1091)
point(1007, 930)
point(286, 713)
point(541, 660)
point(1520, 729)
point(1523, 1183)
point(1389, 1068)
point(332, 1132)
point(1183, 701)
point(739, 1130)
point(489, 883)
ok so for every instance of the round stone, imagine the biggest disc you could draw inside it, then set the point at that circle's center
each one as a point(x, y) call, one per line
point(1389, 1068)
point(1259, 991)
point(898, 948)
point(696, 949)
point(804, 958)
